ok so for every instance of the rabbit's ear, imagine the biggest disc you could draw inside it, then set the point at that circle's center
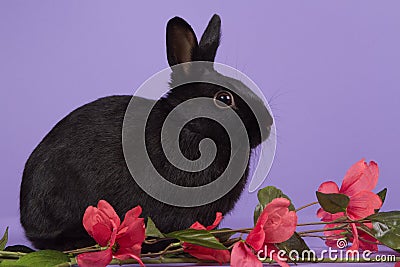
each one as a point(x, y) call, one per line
point(181, 42)
point(209, 42)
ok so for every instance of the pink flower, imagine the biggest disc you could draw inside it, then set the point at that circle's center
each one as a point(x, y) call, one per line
point(242, 256)
point(203, 253)
point(124, 240)
point(276, 224)
point(357, 184)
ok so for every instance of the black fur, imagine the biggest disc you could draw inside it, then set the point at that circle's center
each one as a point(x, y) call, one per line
point(80, 161)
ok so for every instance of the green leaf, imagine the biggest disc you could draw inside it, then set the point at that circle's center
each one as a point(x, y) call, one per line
point(386, 228)
point(390, 217)
point(382, 196)
point(43, 258)
point(257, 212)
point(269, 193)
point(197, 237)
point(4, 240)
point(296, 242)
point(222, 237)
point(387, 235)
point(152, 230)
point(11, 263)
point(333, 203)
point(265, 196)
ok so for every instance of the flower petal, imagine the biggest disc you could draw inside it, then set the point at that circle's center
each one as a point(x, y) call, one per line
point(242, 256)
point(328, 188)
point(277, 204)
point(132, 230)
point(131, 216)
point(137, 259)
point(360, 177)
point(203, 253)
point(281, 223)
point(333, 235)
point(321, 213)
point(329, 217)
point(367, 242)
point(281, 261)
point(363, 204)
point(332, 242)
point(124, 253)
point(198, 226)
point(109, 211)
point(98, 225)
point(95, 259)
point(218, 218)
point(355, 246)
point(135, 212)
point(102, 234)
point(285, 230)
point(90, 218)
point(257, 236)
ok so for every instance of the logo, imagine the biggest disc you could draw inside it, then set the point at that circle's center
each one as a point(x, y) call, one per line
point(341, 243)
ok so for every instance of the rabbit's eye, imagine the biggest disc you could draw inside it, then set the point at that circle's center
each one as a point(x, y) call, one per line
point(224, 97)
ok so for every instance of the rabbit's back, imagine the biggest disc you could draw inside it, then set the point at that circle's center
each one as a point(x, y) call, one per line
point(78, 162)
point(81, 161)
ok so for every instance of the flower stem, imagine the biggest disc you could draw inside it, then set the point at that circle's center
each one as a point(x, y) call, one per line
point(224, 231)
point(87, 249)
point(343, 219)
point(322, 230)
point(306, 206)
point(318, 223)
point(165, 251)
point(316, 236)
point(156, 240)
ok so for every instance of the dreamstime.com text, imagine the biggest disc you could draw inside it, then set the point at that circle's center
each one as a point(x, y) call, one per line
point(330, 253)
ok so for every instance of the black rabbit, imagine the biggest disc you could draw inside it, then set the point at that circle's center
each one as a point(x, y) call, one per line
point(81, 160)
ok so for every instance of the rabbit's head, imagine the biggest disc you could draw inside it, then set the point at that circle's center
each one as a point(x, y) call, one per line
point(227, 92)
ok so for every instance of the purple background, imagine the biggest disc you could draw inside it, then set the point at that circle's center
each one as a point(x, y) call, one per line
point(331, 70)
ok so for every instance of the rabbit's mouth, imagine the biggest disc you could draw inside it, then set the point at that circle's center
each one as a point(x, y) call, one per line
point(260, 136)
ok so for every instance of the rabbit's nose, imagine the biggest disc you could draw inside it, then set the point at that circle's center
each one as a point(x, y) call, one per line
point(269, 120)
point(265, 132)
